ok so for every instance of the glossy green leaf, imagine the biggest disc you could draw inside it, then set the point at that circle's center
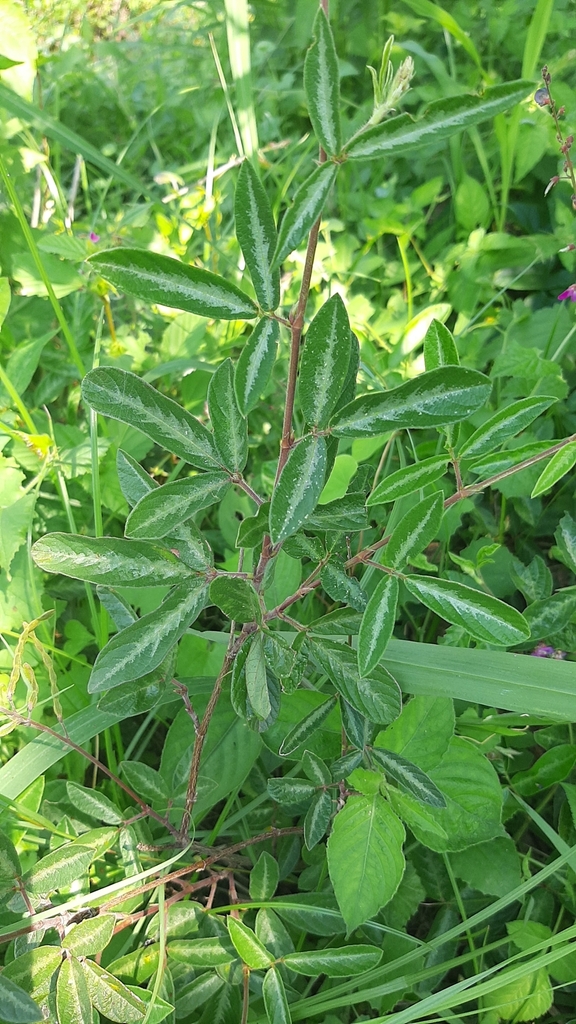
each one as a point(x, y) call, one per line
point(168, 282)
point(248, 946)
point(10, 868)
point(236, 598)
point(110, 561)
point(377, 624)
point(322, 86)
point(560, 464)
point(414, 813)
point(347, 514)
point(565, 536)
point(16, 1006)
point(441, 119)
point(161, 511)
point(189, 545)
point(255, 364)
point(334, 963)
point(252, 529)
point(507, 422)
point(296, 494)
point(415, 531)
point(228, 423)
point(317, 818)
point(376, 696)
point(316, 769)
point(57, 870)
point(291, 791)
point(89, 938)
point(272, 932)
point(72, 997)
point(275, 1001)
point(264, 877)
point(365, 857)
point(93, 803)
point(550, 614)
point(481, 615)
point(324, 363)
point(110, 997)
point(140, 648)
point(445, 395)
point(548, 770)
point(140, 695)
point(305, 210)
point(439, 347)
point(307, 727)
point(256, 233)
point(342, 587)
point(408, 479)
point(409, 777)
point(134, 481)
point(534, 580)
point(256, 678)
point(208, 952)
point(124, 396)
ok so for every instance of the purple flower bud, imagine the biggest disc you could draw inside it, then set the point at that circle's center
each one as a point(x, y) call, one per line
point(542, 650)
point(570, 293)
point(94, 237)
point(542, 97)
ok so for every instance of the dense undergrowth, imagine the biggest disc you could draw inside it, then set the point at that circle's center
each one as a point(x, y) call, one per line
point(287, 536)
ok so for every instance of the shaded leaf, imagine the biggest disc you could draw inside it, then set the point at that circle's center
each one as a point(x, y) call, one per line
point(334, 963)
point(307, 727)
point(134, 481)
point(94, 804)
point(16, 1005)
point(415, 531)
point(274, 995)
point(264, 877)
point(205, 952)
point(236, 598)
point(342, 587)
point(317, 818)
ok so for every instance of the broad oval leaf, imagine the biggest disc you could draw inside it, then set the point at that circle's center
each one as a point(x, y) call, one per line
point(365, 857)
point(145, 781)
point(296, 494)
point(415, 531)
point(322, 86)
point(255, 364)
point(560, 464)
point(141, 647)
point(550, 614)
point(408, 479)
point(342, 587)
point(441, 119)
point(110, 997)
point(16, 1005)
point(228, 423)
point(134, 481)
point(256, 233)
point(72, 997)
point(201, 952)
point(168, 282)
point(88, 938)
point(124, 396)
point(505, 423)
point(377, 624)
point(162, 510)
point(325, 361)
point(264, 877)
point(275, 1001)
point(188, 543)
point(248, 946)
point(481, 615)
point(305, 210)
point(236, 598)
point(93, 803)
point(409, 777)
point(334, 963)
point(439, 347)
point(445, 395)
point(347, 513)
point(57, 870)
point(110, 561)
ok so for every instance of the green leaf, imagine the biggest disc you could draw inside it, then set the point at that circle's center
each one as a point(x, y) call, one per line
point(534, 581)
point(190, 546)
point(560, 464)
point(414, 813)
point(409, 777)
point(365, 858)
point(256, 233)
point(493, 868)
point(445, 395)
point(34, 972)
point(427, 9)
point(72, 997)
point(408, 479)
point(57, 870)
point(296, 494)
point(255, 364)
point(305, 210)
point(324, 363)
point(145, 781)
point(15, 522)
point(377, 624)
point(161, 511)
point(522, 999)
point(10, 868)
point(89, 938)
point(551, 614)
point(252, 529)
point(168, 282)
point(124, 396)
point(201, 952)
point(236, 598)
point(272, 932)
point(16, 1005)
point(347, 514)
point(140, 648)
point(504, 424)
point(94, 804)
point(376, 696)
point(134, 481)
point(317, 818)
point(111, 561)
point(322, 86)
point(417, 528)
point(248, 946)
point(110, 997)
point(334, 963)
point(274, 995)
point(307, 727)
point(439, 347)
point(228, 424)
point(551, 768)
point(264, 877)
point(566, 540)
point(441, 119)
point(484, 617)
point(256, 679)
point(342, 587)
point(422, 732)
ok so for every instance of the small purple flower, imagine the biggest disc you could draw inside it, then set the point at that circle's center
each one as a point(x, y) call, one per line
point(94, 237)
point(542, 651)
point(570, 293)
point(542, 97)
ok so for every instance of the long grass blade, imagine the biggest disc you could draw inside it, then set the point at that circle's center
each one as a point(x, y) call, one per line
point(239, 54)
